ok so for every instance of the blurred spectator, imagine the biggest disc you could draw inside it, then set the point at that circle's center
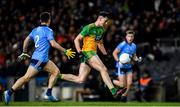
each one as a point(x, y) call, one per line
point(145, 91)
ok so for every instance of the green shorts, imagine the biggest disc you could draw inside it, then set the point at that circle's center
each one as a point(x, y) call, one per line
point(87, 55)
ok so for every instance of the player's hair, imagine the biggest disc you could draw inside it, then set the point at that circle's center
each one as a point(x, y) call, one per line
point(104, 14)
point(130, 32)
point(45, 16)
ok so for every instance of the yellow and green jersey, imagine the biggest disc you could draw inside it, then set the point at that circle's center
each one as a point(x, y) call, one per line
point(91, 34)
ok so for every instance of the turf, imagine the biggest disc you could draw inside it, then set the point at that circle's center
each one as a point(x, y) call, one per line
point(153, 104)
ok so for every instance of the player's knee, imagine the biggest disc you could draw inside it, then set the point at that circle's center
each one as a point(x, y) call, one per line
point(129, 84)
point(123, 84)
point(104, 69)
point(26, 78)
point(81, 80)
point(56, 72)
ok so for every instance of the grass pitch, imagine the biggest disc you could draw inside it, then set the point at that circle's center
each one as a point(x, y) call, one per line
point(152, 104)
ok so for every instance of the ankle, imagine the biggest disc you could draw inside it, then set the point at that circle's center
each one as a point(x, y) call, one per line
point(49, 91)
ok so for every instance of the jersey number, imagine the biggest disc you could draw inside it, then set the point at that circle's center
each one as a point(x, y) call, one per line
point(98, 37)
point(37, 39)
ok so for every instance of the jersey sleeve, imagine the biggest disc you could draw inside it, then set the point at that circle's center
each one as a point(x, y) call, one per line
point(85, 31)
point(31, 34)
point(120, 46)
point(50, 35)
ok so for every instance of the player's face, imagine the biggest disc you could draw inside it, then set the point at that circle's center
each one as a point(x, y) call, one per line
point(129, 38)
point(102, 21)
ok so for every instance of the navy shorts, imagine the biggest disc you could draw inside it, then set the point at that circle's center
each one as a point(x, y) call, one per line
point(123, 71)
point(38, 65)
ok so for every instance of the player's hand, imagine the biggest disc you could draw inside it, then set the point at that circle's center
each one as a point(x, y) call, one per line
point(139, 60)
point(23, 56)
point(69, 53)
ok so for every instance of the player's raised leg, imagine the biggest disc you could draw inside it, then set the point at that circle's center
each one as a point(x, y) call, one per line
point(83, 72)
point(54, 72)
point(31, 72)
point(97, 64)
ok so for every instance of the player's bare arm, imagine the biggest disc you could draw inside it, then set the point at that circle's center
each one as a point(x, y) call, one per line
point(101, 47)
point(54, 44)
point(77, 42)
point(24, 54)
point(115, 54)
point(69, 53)
point(26, 43)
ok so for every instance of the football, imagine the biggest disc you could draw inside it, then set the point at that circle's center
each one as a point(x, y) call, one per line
point(124, 58)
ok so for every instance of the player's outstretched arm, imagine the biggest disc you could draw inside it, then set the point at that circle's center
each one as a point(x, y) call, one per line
point(77, 42)
point(115, 54)
point(69, 53)
point(101, 47)
point(54, 44)
point(26, 43)
point(24, 54)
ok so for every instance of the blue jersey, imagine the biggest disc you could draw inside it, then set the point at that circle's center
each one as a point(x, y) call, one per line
point(124, 47)
point(41, 36)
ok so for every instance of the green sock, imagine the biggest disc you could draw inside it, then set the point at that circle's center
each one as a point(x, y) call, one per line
point(113, 91)
point(60, 76)
point(119, 87)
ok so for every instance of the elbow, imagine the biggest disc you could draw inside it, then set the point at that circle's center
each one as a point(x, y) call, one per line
point(26, 40)
point(53, 44)
point(75, 41)
point(113, 54)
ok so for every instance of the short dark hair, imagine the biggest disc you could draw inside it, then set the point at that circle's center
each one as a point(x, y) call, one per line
point(104, 14)
point(45, 16)
point(130, 32)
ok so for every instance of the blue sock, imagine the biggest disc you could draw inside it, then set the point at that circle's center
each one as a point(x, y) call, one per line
point(10, 92)
point(49, 90)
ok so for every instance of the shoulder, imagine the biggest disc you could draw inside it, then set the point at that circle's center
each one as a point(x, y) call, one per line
point(133, 44)
point(123, 43)
point(48, 29)
point(89, 26)
point(33, 30)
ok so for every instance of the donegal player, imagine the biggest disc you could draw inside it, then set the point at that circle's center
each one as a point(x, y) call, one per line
point(92, 35)
point(43, 38)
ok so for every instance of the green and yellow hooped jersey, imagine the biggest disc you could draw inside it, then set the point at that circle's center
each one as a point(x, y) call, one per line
point(91, 34)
